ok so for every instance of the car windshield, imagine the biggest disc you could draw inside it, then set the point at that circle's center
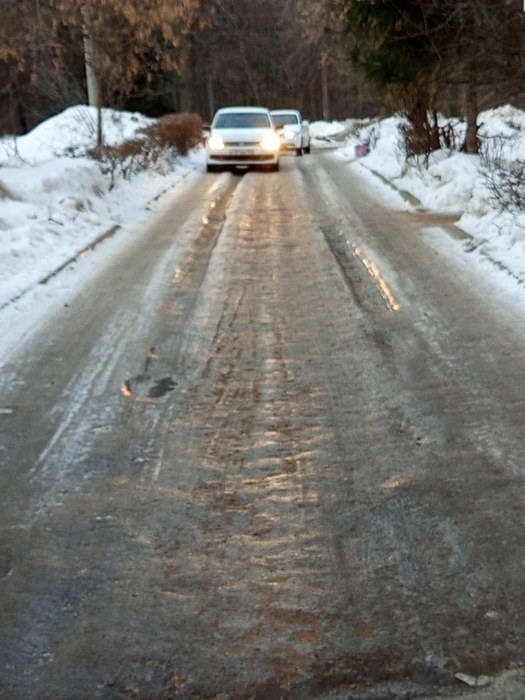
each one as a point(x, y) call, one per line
point(243, 120)
point(283, 119)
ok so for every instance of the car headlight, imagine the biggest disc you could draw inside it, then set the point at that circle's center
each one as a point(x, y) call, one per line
point(215, 143)
point(289, 134)
point(271, 141)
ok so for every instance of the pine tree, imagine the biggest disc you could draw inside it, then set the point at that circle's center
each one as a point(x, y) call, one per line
point(392, 46)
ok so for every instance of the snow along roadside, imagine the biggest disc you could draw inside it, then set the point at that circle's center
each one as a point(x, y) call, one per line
point(470, 244)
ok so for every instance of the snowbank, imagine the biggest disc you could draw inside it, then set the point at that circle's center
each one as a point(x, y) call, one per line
point(454, 182)
point(70, 133)
point(53, 205)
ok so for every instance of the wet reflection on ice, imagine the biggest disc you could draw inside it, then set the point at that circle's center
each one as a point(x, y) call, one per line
point(375, 273)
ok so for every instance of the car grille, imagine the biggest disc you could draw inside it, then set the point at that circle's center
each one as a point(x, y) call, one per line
point(262, 157)
point(241, 144)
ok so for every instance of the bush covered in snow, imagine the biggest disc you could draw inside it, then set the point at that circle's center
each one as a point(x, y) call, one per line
point(503, 157)
point(55, 201)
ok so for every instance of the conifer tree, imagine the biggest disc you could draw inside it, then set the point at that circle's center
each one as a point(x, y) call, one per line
point(409, 49)
point(391, 44)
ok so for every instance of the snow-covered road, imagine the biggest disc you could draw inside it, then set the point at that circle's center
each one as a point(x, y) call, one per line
point(54, 203)
point(269, 445)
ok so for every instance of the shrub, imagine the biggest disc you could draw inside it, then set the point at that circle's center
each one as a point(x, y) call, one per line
point(368, 134)
point(420, 138)
point(121, 161)
point(418, 142)
point(178, 133)
point(159, 146)
point(504, 177)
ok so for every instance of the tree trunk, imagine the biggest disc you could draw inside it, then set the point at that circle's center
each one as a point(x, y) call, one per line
point(24, 126)
point(251, 78)
point(471, 144)
point(211, 101)
point(421, 135)
point(92, 81)
point(16, 109)
point(324, 82)
point(100, 138)
point(186, 97)
point(89, 60)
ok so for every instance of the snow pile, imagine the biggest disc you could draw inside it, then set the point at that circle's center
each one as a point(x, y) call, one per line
point(52, 206)
point(454, 182)
point(507, 125)
point(72, 132)
point(330, 134)
point(327, 130)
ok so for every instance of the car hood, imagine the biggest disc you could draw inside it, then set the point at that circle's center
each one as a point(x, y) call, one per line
point(241, 135)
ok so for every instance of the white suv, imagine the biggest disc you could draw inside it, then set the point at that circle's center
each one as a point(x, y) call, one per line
point(294, 131)
point(242, 136)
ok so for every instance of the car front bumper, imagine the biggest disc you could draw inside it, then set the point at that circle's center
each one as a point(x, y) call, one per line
point(241, 156)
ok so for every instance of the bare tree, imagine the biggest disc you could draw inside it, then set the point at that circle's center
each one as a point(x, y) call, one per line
point(127, 38)
point(260, 51)
point(28, 62)
point(482, 47)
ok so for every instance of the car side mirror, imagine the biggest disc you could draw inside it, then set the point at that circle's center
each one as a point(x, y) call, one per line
point(206, 130)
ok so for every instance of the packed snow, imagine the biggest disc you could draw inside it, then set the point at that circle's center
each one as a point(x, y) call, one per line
point(55, 202)
point(452, 182)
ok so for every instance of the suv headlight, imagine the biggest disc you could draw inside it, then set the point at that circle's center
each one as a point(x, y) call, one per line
point(271, 141)
point(215, 143)
point(289, 134)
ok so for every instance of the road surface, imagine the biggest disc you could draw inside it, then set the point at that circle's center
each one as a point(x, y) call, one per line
point(275, 450)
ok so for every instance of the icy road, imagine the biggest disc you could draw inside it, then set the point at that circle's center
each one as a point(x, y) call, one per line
point(274, 450)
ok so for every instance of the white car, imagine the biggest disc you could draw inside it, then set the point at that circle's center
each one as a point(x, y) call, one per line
point(293, 129)
point(242, 136)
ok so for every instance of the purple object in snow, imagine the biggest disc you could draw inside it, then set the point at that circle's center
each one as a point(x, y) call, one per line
point(361, 150)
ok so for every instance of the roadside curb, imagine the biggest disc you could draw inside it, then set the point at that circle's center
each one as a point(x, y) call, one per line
point(91, 246)
point(169, 187)
point(69, 261)
point(113, 229)
point(75, 257)
point(471, 244)
point(454, 231)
